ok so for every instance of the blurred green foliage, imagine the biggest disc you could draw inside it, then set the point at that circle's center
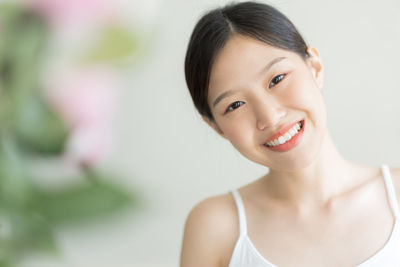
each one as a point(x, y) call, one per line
point(114, 44)
point(30, 128)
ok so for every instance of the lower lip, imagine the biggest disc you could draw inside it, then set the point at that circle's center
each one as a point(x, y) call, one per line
point(289, 144)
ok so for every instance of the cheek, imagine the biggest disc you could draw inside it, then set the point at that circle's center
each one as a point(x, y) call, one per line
point(238, 133)
point(305, 94)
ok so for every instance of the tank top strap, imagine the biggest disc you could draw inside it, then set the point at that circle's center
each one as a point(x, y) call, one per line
point(241, 212)
point(390, 191)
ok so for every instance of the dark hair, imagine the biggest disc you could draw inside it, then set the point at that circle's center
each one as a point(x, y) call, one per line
point(215, 28)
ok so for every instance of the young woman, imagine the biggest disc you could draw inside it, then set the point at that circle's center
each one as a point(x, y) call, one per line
point(256, 82)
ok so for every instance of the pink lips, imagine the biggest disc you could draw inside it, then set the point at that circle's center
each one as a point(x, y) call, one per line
point(289, 144)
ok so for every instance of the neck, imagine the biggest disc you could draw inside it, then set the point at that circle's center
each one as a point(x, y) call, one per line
point(315, 186)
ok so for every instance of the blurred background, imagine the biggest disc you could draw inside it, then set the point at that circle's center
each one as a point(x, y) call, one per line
point(102, 154)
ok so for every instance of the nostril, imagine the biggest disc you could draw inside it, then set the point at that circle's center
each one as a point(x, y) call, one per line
point(270, 119)
point(261, 125)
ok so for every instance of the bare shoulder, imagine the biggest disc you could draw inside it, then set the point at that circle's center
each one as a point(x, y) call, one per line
point(211, 230)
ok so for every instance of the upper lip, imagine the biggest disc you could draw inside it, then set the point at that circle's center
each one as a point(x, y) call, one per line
point(282, 131)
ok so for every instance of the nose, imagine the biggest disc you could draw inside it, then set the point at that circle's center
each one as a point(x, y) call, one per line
point(268, 111)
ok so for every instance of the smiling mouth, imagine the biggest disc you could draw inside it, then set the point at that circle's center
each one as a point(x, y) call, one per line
point(285, 137)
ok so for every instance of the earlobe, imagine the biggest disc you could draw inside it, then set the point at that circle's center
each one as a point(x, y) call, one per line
point(315, 63)
point(213, 125)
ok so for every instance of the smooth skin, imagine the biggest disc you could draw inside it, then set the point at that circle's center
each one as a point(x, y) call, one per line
point(313, 208)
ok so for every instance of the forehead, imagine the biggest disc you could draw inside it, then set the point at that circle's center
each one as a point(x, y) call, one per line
point(240, 60)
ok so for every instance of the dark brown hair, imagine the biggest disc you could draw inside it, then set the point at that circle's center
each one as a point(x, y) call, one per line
point(215, 28)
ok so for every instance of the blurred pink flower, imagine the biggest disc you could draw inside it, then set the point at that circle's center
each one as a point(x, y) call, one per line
point(66, 12)
point(86, 99)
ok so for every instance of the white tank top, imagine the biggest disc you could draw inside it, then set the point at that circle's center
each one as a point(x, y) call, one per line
point(246, 255)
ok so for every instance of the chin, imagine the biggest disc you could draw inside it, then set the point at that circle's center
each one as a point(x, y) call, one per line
point(288, 163)
point(300, 160)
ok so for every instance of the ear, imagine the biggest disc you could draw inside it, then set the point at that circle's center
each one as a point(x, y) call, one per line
point(213, 125)
point(314, 62)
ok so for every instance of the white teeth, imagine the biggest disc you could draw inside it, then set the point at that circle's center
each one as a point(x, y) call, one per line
point(285, 137)
point(281, 140)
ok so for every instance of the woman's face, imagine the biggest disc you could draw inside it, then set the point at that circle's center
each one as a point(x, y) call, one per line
point(259, 95)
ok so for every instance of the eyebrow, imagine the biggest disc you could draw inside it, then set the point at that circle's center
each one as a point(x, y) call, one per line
point(265, 69)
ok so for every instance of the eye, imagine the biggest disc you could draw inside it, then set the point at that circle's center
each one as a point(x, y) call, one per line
point(276, 80)
point(234, 106)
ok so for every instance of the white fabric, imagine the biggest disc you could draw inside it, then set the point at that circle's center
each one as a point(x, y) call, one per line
point(246, 255)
